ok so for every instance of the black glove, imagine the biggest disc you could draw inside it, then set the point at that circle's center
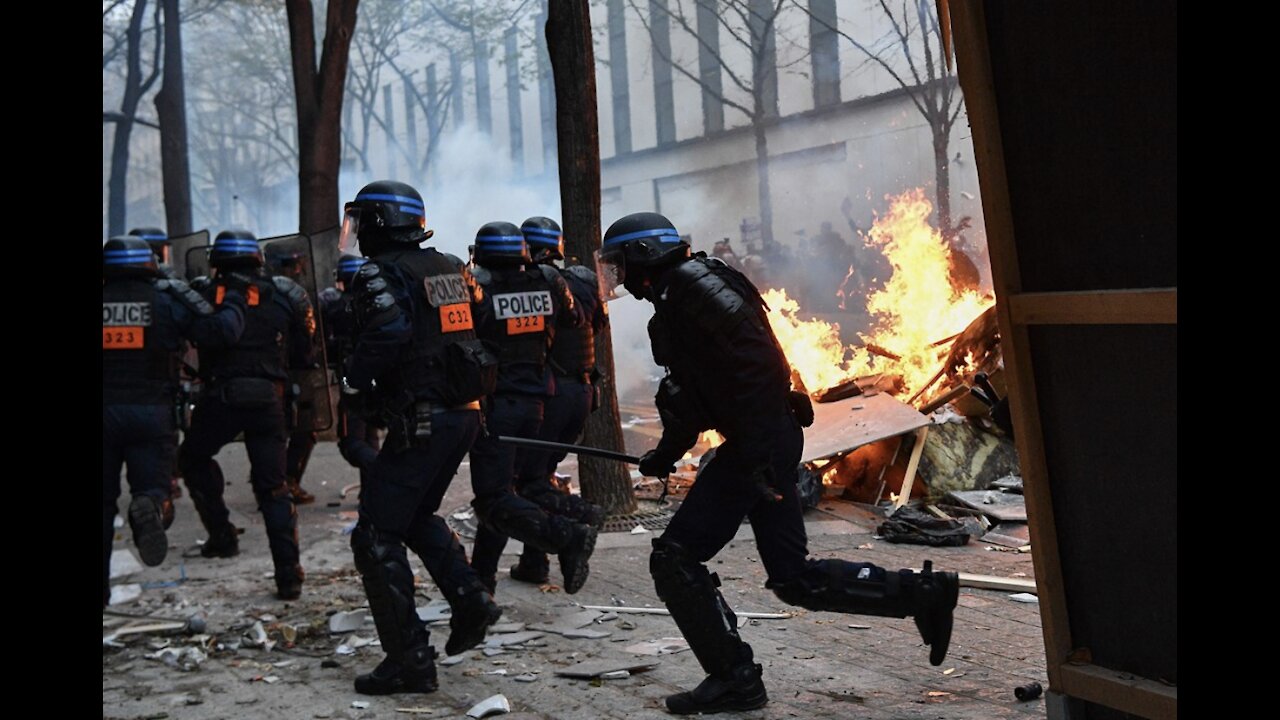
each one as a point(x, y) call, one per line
point(653, 464)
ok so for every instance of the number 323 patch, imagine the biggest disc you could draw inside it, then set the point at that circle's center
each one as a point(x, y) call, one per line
point(123, 337)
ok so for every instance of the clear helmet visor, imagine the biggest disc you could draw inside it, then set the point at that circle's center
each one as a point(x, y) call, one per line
point(348, 236)
point(610, 274)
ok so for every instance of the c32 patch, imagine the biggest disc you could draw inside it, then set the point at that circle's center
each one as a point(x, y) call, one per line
point(456, 317)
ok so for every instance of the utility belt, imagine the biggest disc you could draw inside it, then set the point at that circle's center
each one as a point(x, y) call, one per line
point(412, 426)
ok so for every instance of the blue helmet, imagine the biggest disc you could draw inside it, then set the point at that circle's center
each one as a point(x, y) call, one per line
point(501, 244)
point(384, 214)
point(153, 235)
point(546, 241)
point(128, 255)
point(348, 265)
point(235, 249)
point(634, 248)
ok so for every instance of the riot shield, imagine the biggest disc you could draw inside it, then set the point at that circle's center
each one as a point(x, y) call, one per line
point(189, 254)
point(295, 257)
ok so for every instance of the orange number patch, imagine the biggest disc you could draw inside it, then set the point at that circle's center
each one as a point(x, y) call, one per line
point(521, 325)
point(455, 318)
point(127, 337)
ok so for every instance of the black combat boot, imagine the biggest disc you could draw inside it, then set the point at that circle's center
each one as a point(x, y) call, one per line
point(692, 595)
point(471, 614)
point(224, 543)
point(147, 522)
point(574, 567)
point(416, 673)
point(935, 595)
point(533, 567)
point(289, 582)
point(741, 688)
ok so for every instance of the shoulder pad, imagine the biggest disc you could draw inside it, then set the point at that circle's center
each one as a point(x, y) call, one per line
point(715, 261)
point(298, 300)
point(482, 275)
point(202, 283)
point(369, 270)
point(330, 295)
point(550, 273)
point(184, 294)
point(581, 272)
point(698, 291)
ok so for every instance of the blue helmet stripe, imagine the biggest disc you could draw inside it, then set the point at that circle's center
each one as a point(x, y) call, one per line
point(485, 239)
point(138, 252)
point(380, 197)
point(153, 238)
point(413, 210)
point(541, 232)
point(664, 235)
point(124, 261)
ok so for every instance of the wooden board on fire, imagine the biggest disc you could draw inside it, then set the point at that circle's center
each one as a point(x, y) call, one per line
point(846, 425)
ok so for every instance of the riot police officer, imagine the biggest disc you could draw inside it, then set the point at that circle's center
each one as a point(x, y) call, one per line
point(245, 392)
point(358, 440)
point(302, 439)
point(572, 361)
point(417, 368)
point(735, 379)
point(160, 246)
point(145, 319)
point(521, 308)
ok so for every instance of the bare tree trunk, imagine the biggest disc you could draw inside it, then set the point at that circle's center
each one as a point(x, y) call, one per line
point(762, 182)
point(134, 88)
point(568, 29)
point(942, 169)
point(171, 109)
point(318, 91)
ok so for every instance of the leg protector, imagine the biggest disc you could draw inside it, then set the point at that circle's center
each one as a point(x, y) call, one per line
point(700, 611)
point(388, 584)
point(864, 589)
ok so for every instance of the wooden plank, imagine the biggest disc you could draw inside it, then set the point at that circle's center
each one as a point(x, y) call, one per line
point(1155, 306)
point(995, 582)
point(664, 611)
point(976, 79)
point(909, 480)
point(1122, 691)
point(845, 425)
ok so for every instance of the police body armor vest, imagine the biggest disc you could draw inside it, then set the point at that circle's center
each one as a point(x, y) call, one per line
point(262, 351)
point(720, 298)
point(521, 313)
point(139, 350)
point(573, 352)
point(441, 318)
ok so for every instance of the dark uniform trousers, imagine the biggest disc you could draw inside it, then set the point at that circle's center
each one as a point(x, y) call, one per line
point(494, 468)
point(143, 437)
point(213, 425)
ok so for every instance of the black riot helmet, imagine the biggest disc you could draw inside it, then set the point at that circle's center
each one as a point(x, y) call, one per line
point(234, 250)
point(289, 263)
point(128, 256)
point(156, 238)
point(348, 265)
point(500, 244)
point(546, 242)
point(384, 215)
point(635, 247)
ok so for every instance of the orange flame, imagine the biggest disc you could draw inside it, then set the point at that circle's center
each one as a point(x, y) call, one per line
point(916, 308)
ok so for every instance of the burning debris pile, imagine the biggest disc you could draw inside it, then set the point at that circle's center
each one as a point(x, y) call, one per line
point(916, 316)
point(933, 344)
